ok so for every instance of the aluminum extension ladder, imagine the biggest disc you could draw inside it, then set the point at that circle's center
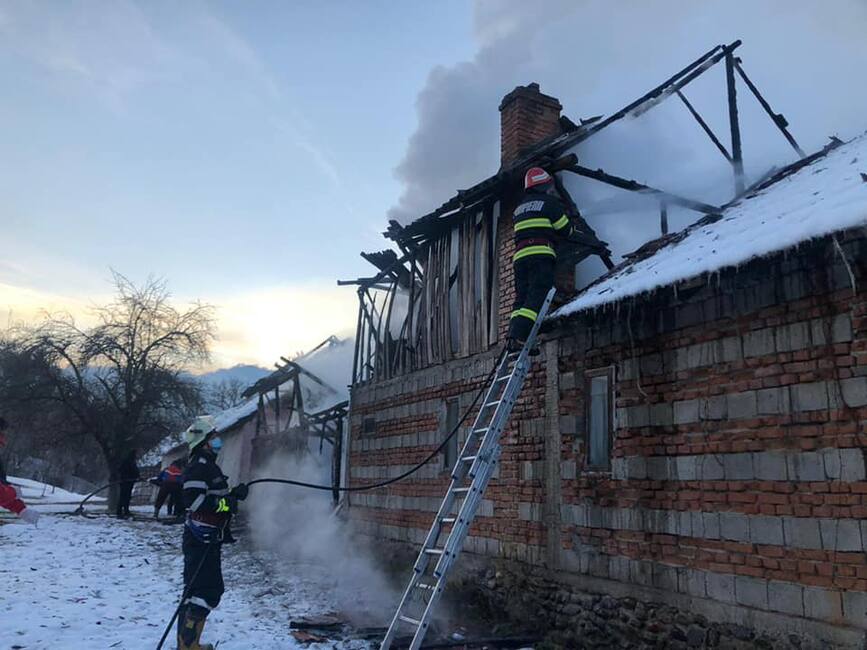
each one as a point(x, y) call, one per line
point(470, 475)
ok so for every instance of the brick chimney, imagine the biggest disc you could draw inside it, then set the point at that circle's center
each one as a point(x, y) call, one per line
point(526, 118)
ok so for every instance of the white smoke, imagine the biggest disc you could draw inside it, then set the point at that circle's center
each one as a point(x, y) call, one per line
point(297, 525)
point(596, 56)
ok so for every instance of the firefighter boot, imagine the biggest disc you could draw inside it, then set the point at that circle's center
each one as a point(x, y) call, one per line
point(191, 622)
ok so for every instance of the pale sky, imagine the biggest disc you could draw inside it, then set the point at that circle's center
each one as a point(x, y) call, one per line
point(243, 151)
point(248, 151)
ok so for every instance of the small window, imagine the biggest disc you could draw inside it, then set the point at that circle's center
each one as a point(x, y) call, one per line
point(368, 426)
point(450, 453)
point(600, 400)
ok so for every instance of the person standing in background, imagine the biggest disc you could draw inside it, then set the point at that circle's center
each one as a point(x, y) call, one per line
point(170, 483)
point(129, 474)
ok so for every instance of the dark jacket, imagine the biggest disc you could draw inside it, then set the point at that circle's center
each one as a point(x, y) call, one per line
point(539, 220)
point(3, 479)
point(128, 470)
point(205, 488)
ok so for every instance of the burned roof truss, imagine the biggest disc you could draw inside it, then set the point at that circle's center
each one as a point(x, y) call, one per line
point(437, 295)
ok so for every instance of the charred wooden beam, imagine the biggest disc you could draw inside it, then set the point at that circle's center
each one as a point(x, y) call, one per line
point(634, 186)
point(357, 343)
point(575, 216)
point(299, 369)
point(734, 124)
point(663, 217)
point(776, 118)
point(658, 94)
point(704, 125)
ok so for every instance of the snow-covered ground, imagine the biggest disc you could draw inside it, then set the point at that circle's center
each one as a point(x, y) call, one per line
point(76, 583)
point(47, 498)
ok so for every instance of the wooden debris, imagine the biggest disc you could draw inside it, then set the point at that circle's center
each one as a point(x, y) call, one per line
point(307, 637)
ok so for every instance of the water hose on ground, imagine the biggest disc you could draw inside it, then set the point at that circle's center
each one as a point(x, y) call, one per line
point(315, 486)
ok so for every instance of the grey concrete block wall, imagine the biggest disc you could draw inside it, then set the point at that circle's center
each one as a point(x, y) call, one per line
point(827, 605)
point(786, 598)
point(823, 604)
point(788, 337)
point(752, 592)
point(782, 465)
point(814, 533)
point(686, 411)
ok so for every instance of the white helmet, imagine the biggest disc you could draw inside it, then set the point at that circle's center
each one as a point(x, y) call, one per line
point(199, 430)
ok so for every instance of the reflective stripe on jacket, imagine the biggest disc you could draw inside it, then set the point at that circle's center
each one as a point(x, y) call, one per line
point(538, 219)
point(205, 487)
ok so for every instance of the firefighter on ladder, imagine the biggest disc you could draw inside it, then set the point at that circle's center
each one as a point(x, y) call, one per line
point(540, 219)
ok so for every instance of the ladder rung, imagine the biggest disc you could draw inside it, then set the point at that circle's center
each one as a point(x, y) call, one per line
point(496, 401)
point(411, 621)
point(461, 490)
point(424, 585)
point(433, 551)
point(504, 378)
point(485, 429)
point(448, 520)
point(469, 459)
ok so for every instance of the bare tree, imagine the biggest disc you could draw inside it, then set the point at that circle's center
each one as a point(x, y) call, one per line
point(225, 394)
point(124, 380)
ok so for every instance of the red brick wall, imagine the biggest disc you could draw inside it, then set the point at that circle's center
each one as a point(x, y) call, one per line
point(738, 473)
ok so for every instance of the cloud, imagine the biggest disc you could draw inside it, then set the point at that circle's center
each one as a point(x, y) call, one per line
point(597, 56)
point(112, 49)
point(23, 306)
point(252, 327)
point(261, 325)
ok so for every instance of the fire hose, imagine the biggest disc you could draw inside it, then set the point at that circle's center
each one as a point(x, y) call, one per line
point(315, 486)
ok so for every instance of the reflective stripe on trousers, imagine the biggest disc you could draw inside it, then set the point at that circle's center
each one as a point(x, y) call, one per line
point(534, 250)
point(526, 313)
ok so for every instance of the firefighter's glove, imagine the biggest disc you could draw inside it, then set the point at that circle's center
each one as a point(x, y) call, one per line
point(240, 491)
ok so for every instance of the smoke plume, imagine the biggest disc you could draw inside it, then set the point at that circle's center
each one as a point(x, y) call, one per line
point(807, 58)
point(298, 527)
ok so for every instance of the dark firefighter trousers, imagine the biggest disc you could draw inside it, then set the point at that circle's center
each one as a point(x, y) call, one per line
point(173, 493)
point(206, 589)
point(534, 277)
point(124, 497)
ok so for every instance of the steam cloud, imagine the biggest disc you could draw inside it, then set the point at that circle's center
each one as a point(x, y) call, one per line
point(597, 56)
point(297, 525)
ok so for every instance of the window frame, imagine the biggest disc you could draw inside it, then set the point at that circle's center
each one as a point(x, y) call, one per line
point(609, 373)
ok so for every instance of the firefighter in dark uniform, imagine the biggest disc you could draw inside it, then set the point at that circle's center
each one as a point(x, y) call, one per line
point(540, 220)
point(209, 503)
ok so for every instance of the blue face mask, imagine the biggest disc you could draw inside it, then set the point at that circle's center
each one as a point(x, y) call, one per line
point(216, 444)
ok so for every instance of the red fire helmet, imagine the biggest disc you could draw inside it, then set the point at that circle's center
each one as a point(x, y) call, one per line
point(536, 176)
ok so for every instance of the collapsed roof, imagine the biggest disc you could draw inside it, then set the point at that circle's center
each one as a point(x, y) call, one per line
point(467, 201)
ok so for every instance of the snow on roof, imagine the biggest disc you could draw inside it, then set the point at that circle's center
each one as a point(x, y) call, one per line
point(332, 364)
point(227, 419)
point(826, 196)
